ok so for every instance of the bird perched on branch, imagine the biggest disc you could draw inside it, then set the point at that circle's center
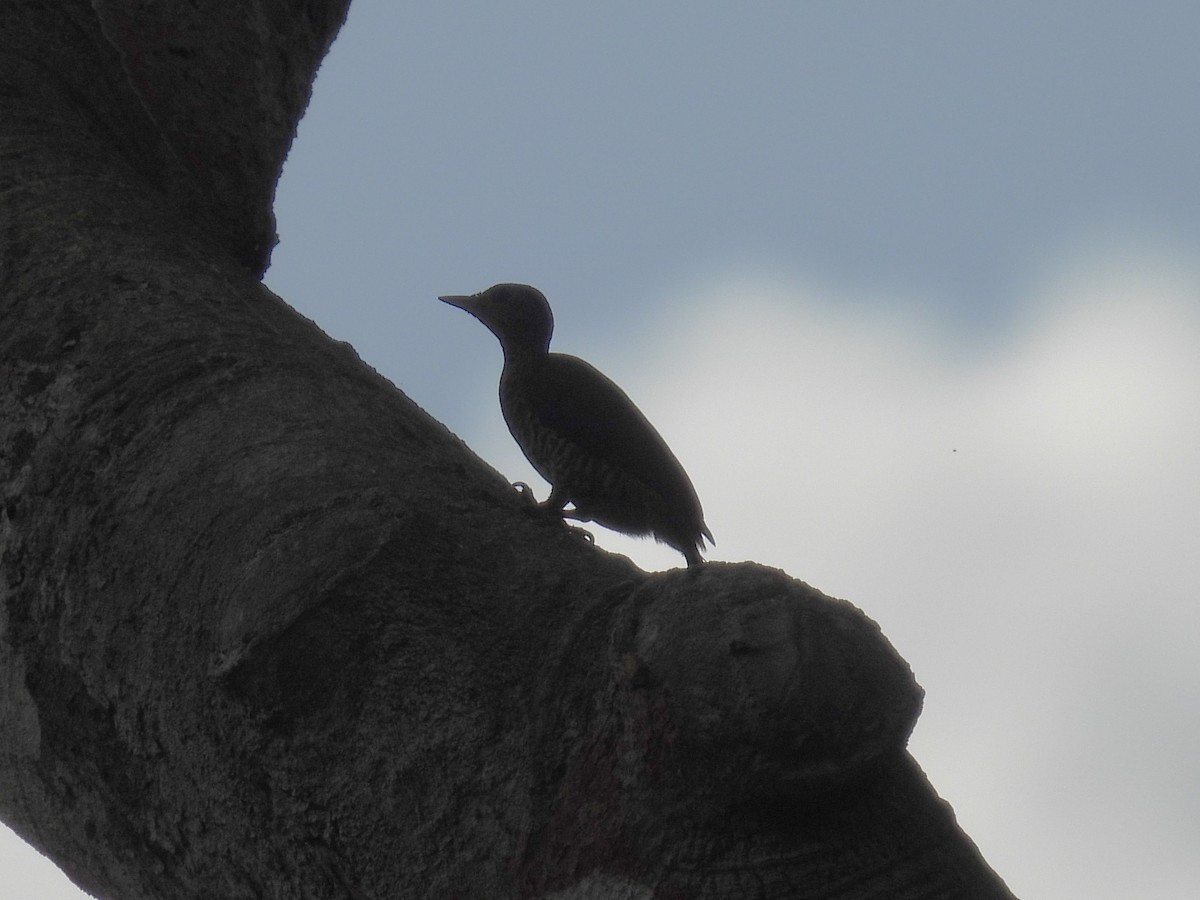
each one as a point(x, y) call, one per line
point(582, 433)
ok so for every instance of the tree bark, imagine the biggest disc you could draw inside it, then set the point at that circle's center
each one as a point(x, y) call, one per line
point(269, 630)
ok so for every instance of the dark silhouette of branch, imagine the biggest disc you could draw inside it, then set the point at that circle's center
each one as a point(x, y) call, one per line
point(268, 630)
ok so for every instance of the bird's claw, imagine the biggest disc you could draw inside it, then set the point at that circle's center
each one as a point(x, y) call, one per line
point(582, 533)
point(550, 507)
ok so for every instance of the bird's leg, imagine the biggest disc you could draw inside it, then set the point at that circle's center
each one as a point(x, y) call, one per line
point(554, 504)
point(577, 516)
point(526, 492)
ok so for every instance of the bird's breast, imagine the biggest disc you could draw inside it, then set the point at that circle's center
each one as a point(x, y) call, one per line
point(540, 444)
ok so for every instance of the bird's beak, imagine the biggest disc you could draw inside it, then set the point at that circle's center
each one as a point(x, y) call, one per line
point(468, 302)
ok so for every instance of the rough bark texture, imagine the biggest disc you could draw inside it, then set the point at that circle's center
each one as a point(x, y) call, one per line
point(268, 630)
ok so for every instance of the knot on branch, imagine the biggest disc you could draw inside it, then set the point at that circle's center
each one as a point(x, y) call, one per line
point(740, 682)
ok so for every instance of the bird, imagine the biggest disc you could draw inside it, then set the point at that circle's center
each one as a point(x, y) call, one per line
point(582, 433)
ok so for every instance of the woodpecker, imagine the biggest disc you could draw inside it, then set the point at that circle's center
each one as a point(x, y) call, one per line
point(582, 433)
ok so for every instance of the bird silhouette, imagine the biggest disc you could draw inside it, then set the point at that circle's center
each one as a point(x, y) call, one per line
point(582, 433)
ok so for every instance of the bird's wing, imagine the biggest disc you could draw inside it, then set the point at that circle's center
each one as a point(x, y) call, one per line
point(585, 407)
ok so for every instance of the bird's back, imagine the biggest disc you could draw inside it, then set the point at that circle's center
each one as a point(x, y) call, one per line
point(585, 436)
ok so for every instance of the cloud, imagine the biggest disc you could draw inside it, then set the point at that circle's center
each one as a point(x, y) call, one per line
point(29, 874)
point(1021, 515)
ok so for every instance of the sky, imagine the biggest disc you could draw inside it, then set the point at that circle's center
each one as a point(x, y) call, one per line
point(913, 292)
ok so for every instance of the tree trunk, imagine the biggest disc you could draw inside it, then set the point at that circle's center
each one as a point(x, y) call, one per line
point(268, 630)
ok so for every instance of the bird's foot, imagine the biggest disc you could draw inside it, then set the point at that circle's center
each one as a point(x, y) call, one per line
point(553, 506)
point(550, 504)
point(581, 533)
point(576, 516)
point(526, 492)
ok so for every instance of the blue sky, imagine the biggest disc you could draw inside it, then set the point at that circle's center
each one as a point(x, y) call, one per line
point(913, 291)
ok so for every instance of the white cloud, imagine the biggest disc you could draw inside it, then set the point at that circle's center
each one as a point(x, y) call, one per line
point(29, 874)
point(1024, 521)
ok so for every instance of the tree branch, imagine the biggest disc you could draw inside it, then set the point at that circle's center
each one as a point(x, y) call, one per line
point(267, 629)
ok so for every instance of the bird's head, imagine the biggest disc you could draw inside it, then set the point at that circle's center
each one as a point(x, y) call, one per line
point(517, 314)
